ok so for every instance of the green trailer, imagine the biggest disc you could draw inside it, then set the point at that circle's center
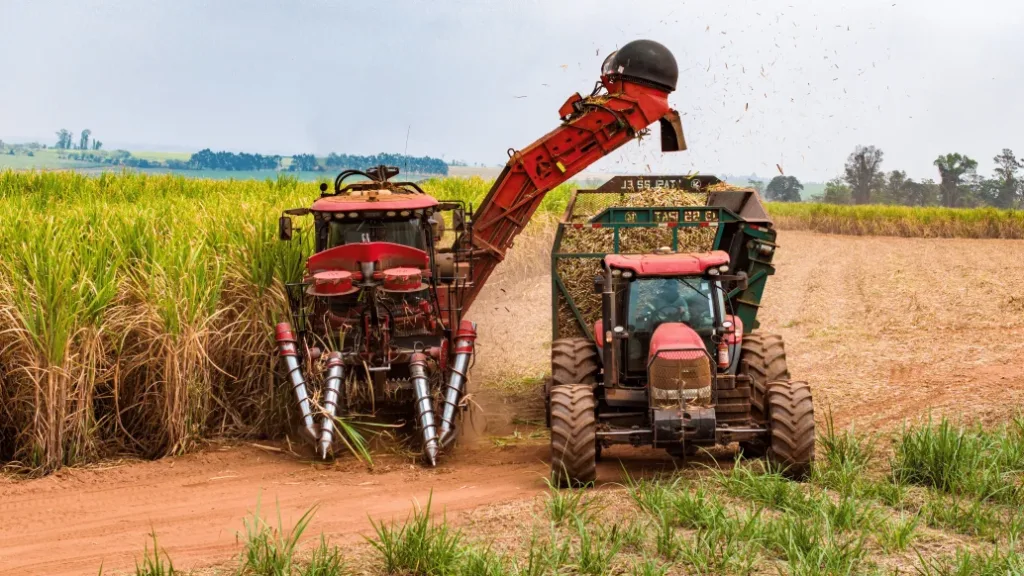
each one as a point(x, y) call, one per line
point(656, 285)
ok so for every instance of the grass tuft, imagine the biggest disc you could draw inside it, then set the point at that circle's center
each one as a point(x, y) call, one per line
point(960, 461)
point(419, 545)
point(270, 550)
point(326, 560)
point(565, 504)
point(153, 564)
point(897, 534)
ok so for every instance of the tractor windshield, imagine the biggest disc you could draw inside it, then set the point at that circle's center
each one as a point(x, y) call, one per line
point(653, 301)
point(407, 232)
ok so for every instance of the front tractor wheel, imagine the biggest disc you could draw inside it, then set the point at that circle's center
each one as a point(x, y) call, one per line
point(573, 361)
point(573, 435)
point(791, 426)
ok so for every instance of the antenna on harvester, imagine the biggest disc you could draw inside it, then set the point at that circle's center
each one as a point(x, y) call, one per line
point(406, 153)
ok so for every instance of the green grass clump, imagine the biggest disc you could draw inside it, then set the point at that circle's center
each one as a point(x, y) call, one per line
point(419, 546)
point(897, 534)
point(326, 560)
point(965, 562)
point(270, 550)
point(845, 458)
point(962, 461)
point(569, 504)
point(769, 488)
point(596, 549)
point(153, 564)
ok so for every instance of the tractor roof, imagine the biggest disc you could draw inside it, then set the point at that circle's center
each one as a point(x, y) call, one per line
point(686, 264)
point(373, 200)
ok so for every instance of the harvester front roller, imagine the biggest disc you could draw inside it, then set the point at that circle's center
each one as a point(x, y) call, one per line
point(791, 421)
point(573, 361)
point(573, 435)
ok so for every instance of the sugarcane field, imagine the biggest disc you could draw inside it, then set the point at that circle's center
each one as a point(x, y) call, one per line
point(617, 299)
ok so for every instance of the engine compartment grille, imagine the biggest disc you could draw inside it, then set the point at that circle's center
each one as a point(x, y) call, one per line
point(676, 375)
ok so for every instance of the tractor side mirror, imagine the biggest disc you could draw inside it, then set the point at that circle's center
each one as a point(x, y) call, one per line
point(459, 220)
point(741, 282)
point(738, 281)
point(284, 228)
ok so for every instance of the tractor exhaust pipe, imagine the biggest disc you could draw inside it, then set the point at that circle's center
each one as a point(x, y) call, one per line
point(464, 345)
point(332, 385)
point(424, 406)
point(286, 345)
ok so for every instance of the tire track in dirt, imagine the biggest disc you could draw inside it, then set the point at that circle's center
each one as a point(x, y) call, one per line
point(76, 520)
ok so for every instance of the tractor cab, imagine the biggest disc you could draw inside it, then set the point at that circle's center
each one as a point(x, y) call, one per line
point(672, 330)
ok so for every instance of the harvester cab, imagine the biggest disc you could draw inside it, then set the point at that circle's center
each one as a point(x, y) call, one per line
point(662, 351)
point(388, 300)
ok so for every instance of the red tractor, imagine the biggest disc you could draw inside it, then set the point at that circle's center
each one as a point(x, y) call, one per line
point(388, 301)
point(672, 360)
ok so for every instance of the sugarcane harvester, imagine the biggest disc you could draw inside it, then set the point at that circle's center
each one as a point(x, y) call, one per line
point(389, 302)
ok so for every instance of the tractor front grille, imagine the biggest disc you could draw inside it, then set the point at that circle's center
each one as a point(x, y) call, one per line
point(676, 375)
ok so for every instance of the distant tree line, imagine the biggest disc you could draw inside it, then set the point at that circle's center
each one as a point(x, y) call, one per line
point(407, 164)
point(959, 186)
point(208, 160)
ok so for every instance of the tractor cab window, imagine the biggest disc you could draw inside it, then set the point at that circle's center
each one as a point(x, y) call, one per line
point(654, 301)
point(406, 232)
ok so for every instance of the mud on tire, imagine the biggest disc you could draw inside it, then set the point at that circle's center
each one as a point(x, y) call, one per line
point(573, 361)
point(791, 421)
point(763, 358)
point(573, 435)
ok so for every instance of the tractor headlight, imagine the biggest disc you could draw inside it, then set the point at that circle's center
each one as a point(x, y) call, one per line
point(339, 215)
point(352, 214)
point(406, 212)
point(627, 274)
point(724, 268)
point(712, 272)
point(391, 214)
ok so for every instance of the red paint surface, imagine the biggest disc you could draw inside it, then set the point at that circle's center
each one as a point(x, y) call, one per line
point(674, 336)
point(584, 137)
point(388, 202)
point(348, 257)
point(667, 264)
point(735, 336)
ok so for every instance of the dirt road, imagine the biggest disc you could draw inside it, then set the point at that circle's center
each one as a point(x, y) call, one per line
point(884, 329)
point(73, 522)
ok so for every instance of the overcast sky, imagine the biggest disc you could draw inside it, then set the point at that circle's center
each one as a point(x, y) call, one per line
point(790, 82)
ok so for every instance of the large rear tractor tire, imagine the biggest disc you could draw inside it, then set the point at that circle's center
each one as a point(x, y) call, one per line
point(763, 358)
point(573, 435)
point(791, 424)
point(573, 361)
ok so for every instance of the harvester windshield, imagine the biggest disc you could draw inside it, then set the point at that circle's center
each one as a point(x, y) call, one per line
point(407, 232)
